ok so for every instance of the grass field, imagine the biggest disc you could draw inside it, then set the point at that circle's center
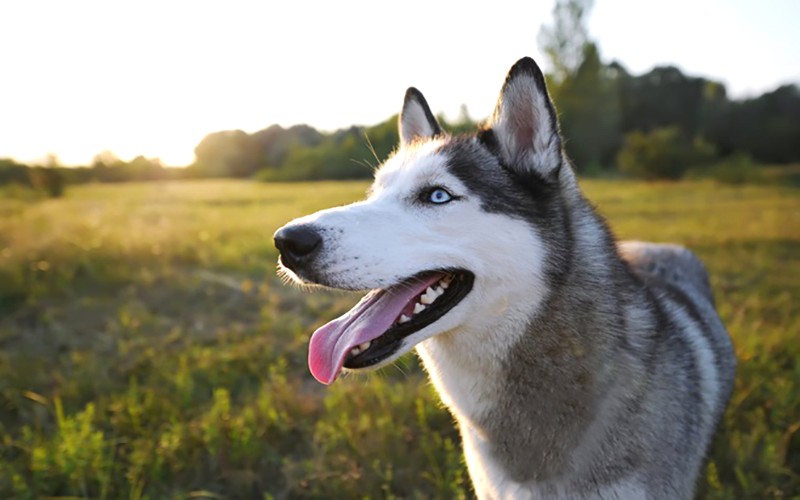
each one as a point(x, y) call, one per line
point(148, 351)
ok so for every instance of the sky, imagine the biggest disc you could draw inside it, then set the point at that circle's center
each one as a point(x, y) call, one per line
point(153, 78)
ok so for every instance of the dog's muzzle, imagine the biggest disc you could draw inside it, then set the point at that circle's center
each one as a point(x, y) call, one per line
point(298, 245)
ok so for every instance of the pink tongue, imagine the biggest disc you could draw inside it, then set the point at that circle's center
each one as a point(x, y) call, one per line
point(368, 320)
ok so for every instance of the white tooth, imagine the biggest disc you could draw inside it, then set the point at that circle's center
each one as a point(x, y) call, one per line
point(403, 319)
point(439, 291)
point(428, 297)
point(355, 351)
point(444, 284)
point(418, 308)
point(363, 347)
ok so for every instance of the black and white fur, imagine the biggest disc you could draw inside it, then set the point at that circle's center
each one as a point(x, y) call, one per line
point(577, 367)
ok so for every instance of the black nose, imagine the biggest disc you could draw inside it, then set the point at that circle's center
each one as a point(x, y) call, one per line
point(297, 244)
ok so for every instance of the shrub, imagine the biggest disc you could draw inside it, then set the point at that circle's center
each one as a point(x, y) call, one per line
point(48, 180)
point(738, 169)
point(663, 153)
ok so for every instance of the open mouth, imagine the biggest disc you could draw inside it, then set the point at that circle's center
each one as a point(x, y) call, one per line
point(374, 329)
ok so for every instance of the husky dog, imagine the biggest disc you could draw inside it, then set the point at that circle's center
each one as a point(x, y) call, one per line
point(576, 366)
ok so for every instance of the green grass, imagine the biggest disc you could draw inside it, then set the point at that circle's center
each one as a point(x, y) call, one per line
point(148, 351)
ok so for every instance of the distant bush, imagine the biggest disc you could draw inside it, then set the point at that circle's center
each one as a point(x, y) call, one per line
point(784, 175)
point(281, 175)
point(663, 153)
point(737, 169)
point(12, 172)
point(48, 180)
point(19, 191)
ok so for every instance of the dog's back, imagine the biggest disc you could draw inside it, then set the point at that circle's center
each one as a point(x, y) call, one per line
point(677, 273)
point(693, 369)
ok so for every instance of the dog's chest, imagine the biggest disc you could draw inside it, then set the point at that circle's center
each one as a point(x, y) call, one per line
point(465, 378)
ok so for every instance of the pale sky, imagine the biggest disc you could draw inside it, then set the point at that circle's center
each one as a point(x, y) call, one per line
point(154, 77)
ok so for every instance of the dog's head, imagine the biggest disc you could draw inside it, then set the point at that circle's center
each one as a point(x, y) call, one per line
point(457, 236)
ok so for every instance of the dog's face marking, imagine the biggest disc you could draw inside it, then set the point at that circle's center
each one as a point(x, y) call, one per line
point(398, 233)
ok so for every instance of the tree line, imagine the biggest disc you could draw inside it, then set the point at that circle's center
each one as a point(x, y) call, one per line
point(50, 178)
point(655, 125)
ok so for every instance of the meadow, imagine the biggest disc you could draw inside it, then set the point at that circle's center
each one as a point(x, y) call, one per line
point(147, 349)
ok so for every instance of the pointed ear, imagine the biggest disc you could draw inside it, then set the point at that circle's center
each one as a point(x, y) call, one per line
point(416, 119)
point(525, 123)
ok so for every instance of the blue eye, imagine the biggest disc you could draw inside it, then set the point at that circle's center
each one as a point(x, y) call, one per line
point(439, 196)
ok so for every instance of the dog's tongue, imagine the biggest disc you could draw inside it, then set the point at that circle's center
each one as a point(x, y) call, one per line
point(368, 320)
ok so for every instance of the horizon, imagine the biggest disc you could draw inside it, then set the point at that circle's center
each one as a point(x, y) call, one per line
point(153, 80)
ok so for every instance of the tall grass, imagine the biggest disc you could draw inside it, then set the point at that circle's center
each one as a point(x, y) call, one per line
point(148, 351)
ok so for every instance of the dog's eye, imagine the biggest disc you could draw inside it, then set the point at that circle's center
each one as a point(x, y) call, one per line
point(439, 196)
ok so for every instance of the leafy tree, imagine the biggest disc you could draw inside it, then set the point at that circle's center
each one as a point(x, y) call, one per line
point(588, 103)
point(767, 127)
point(566, 39)
point(350, 153)
point(274, 142)
point(663, 97)
point(105, 159)
point(48, 180)
point(229, 153)
point(145, 169)
point(12, 172)
point(585, 90)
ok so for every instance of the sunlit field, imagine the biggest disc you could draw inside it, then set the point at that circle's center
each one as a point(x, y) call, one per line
point(147, 349)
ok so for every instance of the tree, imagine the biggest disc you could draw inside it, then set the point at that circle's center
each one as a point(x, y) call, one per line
point(274, 142)
point(585, 91)
point(48, 178)
point(105, 159)
point(767, 127)
point(228, 153)
point(12, 172)
point(565, 40)
point(589, 108)
point(664, 97)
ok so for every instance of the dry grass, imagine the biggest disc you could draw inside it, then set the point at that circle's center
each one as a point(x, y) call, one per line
point(147, 350)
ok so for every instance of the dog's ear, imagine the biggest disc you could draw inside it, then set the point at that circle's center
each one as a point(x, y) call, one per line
point(525, 123)
point(416, 120)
